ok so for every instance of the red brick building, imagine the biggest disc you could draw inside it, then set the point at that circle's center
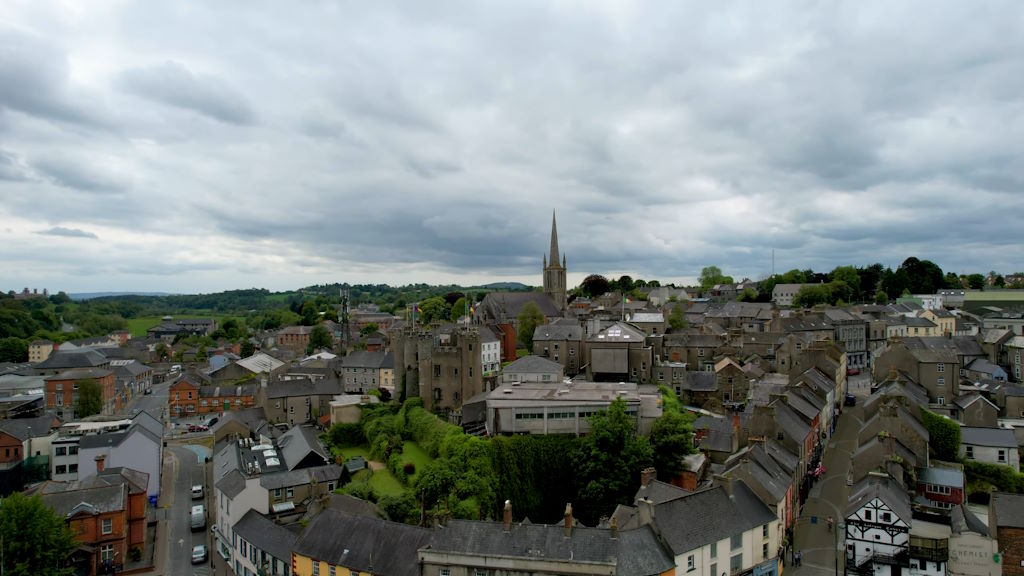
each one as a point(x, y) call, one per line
point(1006, 525)
point(294, 338)
point(183, 398)
point(11, 453)
point(98, 516)
point(62, 390)
point(186, 398)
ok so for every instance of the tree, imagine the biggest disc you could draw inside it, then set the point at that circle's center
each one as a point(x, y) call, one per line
point(162, 351)
point(310, 313)
point(433, 309)
point(434, 482)
point(595, 285)
point(13, 350)
point(90, 398)
point(319, 337)
point(676, 321)
point(459, 309)
point(202, 355)
point(951, 280)
point(976, 281)
point(670, 442)
point(848, 275)
point(924, 276)
point(247, 348)
point(625, 284)
point(35, 539)
point(529, 318)
point(609, 462)
point(369, 329)
point(711, 275)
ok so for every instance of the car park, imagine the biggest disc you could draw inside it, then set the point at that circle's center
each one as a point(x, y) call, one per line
point(199, 553)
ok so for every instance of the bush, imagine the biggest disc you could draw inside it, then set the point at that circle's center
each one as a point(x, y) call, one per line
point(401, 508)
point(135, 554)
point(346, 435)
point(409, 468)
point(360, 490)
point(396, 468)
point(1004, 478)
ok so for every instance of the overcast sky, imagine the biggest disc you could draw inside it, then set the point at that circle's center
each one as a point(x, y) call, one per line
point(202, 146)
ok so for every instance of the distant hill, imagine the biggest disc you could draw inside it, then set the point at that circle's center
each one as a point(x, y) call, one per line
point(507, 286)
point(91, 295)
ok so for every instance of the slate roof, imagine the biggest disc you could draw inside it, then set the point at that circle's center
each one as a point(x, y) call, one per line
point(659, 492)
point(648, 317)
point(304, 387)
point(558, 331)
point(941, 476)
point(284, 479)
point(1011, 390)
point(996, 437)
point(508, 305)
point(962, 520)
point(984, 366)
point(107, 439)
point(1009, 510)
point(67, 501)
point(532, 365)
point(138, 481)
point(353, 506)
point(965, 400)
point(782, 456)
point(296, 444)
point(709, 516)
point(62, 359)
point(884, 488)
point(224, 391)
point(231, 484)
point(363, 359)
point(25, 428)
point(619, 332)
point(640, 553)
point(524, 540)
point(802, 406)
point(791, 423)
point(905, 416)
point(80, 374)
point(266, 535)
point(365, 544)
point(805, 323)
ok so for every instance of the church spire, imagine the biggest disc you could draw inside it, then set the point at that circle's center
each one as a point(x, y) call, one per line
point(553, 259)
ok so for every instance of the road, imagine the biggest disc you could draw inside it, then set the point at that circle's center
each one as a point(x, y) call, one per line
point(823, 553)
point(187, 469)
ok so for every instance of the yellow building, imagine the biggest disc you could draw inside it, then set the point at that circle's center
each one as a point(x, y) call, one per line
point(942, 318)
point(339, 544)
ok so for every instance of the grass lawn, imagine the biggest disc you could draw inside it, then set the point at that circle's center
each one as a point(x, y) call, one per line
point(384, 483)
point(138, 326)
point(411, 452)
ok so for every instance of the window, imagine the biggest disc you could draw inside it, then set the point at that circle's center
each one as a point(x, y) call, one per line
point(886, 517)
point(277, 493)
point(437, 370)
point(291, 409)
point(60, 469)
point(941, 381)
point(331, 572)
point(60, 387)
point(700, 352)
point(479, 572)
point(942, 400)
point(714, 568)
point(714, 553)
point(107, 553)
point(72, 450)
point(764, 531)
point(108, 525)
point(60, 450)
point(940, 367)
point(736, 541)
point(735, 563)
point(72, 468)
point(471, 368)
point(867, 514)
point(969, 452)
point(60, 400)
point(764, 551)
point(189, 395)
point(446, 572)
point(316, 568)
point(572, 351)
point(689, 563)
point(1001, 456)
point(291, 492)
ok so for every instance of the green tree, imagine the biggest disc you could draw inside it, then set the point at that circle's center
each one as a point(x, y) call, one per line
point(951, 280)
point(609, 462)
point(310, 313)
point(35, 539)
point(676, 320)
point(247, 348)
point(433, 309)
point(848, 275)
point(625, 284)
point(671, 440)
point(976, 281)
point(529, 318)
point(369, 329)
point(202, 355)
point(711, 275)
point(434, 483)
point(319, 338)
point(13, 350)
point(459, 309)
point(162, 351)
point(90, 398)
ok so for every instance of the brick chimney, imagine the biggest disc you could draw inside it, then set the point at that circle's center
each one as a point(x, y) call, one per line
point(614, 527)
point(507, 519)
point(99, 462)
point(647, 475)
point(568, 519)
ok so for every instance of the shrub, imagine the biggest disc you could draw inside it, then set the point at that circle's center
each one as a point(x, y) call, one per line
point(409, 468)
point(135, 554)
point(346, 435)
point(401, 508)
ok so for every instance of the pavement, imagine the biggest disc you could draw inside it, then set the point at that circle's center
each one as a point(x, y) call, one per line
point(823, 551)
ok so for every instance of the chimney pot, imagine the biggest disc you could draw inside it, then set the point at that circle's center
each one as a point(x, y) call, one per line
point(99, 462)
point(614, 527)
point(508, 516)
point(647, 475)
point(568, 519)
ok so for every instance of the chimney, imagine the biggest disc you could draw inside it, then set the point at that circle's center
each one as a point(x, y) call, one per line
point(614, 527)
point(99, 462)
point(508, 516)
point(736, 422)
point(647, 475)
point(645, 511)
point(568, 519)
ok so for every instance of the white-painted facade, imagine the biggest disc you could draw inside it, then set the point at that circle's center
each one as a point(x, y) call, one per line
point(490, 357)
point(876, 534)
point(731, 555)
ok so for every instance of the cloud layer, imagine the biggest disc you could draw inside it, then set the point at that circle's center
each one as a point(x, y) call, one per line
point(216, 146)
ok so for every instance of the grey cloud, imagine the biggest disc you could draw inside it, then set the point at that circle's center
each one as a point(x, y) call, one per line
point(67, 232)
point(172, 84)
point(78, 175)
point(11, 167)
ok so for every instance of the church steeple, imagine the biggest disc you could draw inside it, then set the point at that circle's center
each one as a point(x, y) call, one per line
point(553, 259)
point(554, 274)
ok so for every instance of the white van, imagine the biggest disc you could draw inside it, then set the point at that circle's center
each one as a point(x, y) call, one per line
point(198, 517)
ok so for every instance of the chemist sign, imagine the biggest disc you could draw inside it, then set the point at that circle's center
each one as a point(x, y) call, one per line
point(974, 555)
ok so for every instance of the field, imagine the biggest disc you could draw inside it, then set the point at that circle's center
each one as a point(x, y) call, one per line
point(138, 326)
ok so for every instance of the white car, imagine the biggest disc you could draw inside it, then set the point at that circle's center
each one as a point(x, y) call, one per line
point(197, 491)
point(199, 554)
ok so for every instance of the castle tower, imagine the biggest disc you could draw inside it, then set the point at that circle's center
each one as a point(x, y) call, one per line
point(554, 273)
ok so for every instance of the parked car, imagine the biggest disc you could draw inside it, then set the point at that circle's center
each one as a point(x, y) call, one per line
point(850, 400)
point(211, 422)
point(198, 517)
point(197, 491)
point(148, 391)
point(199, 553)
point(852, 371)
point(197, 428)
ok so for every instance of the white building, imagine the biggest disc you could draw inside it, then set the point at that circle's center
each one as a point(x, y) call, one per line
point(990, 445)
point(490, 352)
point(782, 294)
point(878, 521)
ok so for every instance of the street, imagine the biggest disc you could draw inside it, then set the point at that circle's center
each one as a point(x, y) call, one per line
point(823, 550)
